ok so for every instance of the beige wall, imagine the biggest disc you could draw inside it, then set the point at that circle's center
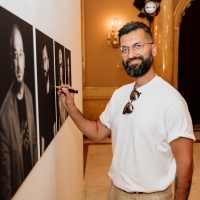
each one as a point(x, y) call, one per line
point(58, 174)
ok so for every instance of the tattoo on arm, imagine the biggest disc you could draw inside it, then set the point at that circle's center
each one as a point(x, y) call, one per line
point(176, 182)
point(187, 191)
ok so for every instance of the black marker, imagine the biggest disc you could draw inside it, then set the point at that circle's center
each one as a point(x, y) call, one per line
point(69, 89)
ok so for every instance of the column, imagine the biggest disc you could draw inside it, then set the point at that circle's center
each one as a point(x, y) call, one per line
point(162, 28)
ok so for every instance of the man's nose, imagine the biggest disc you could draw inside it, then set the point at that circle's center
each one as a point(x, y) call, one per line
point(131, 53)
point(18, 62)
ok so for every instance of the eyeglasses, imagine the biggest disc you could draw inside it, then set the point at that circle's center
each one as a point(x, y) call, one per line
point(17, 55)
point(137, 47)
point(128, 108)
point(44, 61)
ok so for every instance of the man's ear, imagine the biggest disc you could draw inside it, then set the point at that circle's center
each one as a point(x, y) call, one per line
point(154, 50)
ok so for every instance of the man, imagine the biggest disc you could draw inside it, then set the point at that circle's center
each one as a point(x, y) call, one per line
point(62, 113)
point(60, 65)
point(45, 68)
point(18, 147)
point(46, 101)
point(152, 134)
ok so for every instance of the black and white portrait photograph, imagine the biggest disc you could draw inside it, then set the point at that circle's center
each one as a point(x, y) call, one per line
point(60, 79)
point(46, 90)
point(68, 66)
point(18, 137)
point(68, 70)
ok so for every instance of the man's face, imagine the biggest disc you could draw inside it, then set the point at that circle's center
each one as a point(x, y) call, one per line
point(136, 64)
point(61, 74)
point(60, 57)
point(45, 61)
point(18, 57)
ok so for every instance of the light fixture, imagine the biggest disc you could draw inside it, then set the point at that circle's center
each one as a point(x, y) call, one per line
point(113, 35)
point(149, 8)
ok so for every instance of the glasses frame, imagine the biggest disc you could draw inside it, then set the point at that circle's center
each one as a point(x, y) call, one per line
point(128, 108)
point(134, 46)
point(17, 55)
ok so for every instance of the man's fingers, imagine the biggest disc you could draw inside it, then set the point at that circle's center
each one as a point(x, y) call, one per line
point(65, 91)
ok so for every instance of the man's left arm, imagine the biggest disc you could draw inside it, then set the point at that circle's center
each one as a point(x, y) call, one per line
point(182, 149)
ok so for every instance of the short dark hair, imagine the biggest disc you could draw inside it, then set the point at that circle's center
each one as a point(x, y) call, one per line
point(133, 26)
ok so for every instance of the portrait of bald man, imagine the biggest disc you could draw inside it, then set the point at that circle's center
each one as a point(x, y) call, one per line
point(18, 138)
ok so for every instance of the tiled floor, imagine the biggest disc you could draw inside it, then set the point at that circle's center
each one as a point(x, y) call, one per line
point(97, 182)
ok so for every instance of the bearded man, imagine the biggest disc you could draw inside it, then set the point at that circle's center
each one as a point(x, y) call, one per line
point(18, 141)
point(152, 132)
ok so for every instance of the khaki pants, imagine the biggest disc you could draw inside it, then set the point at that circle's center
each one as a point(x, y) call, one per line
point(118, 194)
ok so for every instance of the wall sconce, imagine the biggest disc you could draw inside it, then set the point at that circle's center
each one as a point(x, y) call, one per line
point(113, 35)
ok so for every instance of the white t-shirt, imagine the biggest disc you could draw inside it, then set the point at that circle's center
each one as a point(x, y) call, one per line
point(142, 157)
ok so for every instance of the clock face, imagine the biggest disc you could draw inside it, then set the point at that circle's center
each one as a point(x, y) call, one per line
point(150, 7)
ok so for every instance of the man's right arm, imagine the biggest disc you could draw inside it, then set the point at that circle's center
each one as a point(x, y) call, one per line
point(94, 130)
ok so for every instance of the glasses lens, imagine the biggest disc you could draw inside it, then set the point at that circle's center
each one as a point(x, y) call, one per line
point(123, 51)
point(134, 95)
point(128, 108)
point(138, 48)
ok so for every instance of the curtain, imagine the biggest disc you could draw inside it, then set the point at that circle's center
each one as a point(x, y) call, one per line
point(189, 60)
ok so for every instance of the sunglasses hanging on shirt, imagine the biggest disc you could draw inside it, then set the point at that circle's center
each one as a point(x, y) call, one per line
point(128, 108)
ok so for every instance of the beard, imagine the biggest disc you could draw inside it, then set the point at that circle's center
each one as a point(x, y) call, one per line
point(137, 70)
point(45, 76)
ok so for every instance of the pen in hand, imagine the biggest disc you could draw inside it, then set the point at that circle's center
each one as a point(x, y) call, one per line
point(69, 89)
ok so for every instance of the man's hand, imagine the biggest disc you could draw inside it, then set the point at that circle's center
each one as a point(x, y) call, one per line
point(67, 98)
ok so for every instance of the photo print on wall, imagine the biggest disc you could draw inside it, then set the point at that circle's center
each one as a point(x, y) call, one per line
point(68, 66)
point(60, 79)
point(18, 137)
point(68, 70)
point(46, 90)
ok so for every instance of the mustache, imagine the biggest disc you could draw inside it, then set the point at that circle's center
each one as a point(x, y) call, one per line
point(135, 58)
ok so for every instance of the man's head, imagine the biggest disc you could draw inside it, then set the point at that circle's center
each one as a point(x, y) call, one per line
point(133, 26)
point(17, 55)
point(136, 48)
point(60, 63)
point(45, 61)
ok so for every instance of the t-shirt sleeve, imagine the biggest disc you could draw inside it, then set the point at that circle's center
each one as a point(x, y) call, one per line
point(178, 121)
point(104, 117)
